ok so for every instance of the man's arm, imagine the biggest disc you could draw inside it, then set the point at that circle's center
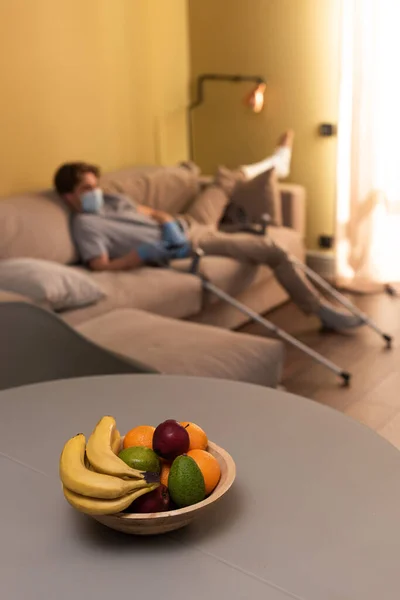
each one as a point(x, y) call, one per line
point(124, 263)
point(145, 254)
point(158, 215)
point(172, 233)
point(133, 260)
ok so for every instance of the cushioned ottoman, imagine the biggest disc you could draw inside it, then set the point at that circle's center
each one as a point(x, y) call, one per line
point(180, 347)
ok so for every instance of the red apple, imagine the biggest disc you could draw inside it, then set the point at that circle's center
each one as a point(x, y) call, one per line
point(170, 440)
point(155, 501)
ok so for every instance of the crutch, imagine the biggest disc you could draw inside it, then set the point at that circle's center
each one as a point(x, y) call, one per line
point(210, 287)
point(261, 229)
point(342, 300)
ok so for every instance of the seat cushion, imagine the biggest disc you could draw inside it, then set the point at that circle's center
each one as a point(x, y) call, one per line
point(179, 347)
point(180, 295)
point(161, 291)
point(227, 273)
point(235, 277)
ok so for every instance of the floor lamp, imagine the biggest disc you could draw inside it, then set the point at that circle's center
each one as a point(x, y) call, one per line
point(255, 100)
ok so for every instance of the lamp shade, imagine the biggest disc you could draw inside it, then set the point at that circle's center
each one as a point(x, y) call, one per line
point(256, 99)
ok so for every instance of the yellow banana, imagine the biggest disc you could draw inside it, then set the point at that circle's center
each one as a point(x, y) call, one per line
point(116, 441)
point(87, 464)
point(94, 506)
point(100, 453)
point(76, 476)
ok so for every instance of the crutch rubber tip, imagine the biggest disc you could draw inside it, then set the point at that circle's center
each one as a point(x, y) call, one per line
point(388, 339)
point(346, 376)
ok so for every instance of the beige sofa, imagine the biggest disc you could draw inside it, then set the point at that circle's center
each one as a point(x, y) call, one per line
point(36, 225)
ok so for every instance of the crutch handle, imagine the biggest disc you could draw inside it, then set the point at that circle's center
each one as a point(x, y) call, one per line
point(195, 264)
point(265, 221)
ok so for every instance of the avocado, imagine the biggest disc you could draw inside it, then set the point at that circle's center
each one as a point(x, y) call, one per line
point(185, 482)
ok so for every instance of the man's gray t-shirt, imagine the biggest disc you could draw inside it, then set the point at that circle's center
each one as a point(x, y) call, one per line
point(116, 230)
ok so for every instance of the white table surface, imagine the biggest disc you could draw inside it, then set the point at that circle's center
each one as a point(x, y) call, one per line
point(314, 513)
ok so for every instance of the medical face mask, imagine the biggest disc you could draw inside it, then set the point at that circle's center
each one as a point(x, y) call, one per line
point(92, 201)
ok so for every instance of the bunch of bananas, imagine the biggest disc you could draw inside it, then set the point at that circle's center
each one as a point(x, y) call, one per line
point(95, 481)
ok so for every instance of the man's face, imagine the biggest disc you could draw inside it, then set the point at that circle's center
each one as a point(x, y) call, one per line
point(87, 183)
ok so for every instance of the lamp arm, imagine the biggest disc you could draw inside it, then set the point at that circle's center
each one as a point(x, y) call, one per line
point(200, 95)
point(217, 77)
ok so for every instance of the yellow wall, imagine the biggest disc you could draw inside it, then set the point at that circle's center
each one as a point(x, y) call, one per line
point(96, 80)
point(294, 44)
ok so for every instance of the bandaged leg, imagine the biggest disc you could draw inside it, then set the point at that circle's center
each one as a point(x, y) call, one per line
point(279, 160)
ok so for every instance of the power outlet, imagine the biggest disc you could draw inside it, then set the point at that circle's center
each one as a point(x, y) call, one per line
point(326, 242)
point(327, 130)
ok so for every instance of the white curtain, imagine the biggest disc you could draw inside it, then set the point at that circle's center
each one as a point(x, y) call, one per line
point(368, 206)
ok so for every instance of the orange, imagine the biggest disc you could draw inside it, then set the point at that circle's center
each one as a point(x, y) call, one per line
point(209, 466)
point(197, 437)
point(165, 469)
point(140, 436)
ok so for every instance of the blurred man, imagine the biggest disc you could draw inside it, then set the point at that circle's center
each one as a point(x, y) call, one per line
point(113, 233)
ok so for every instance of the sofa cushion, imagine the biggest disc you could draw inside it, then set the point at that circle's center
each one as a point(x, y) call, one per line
point(46, 282)
point(180, 295)
point(170, 189)
point(161, 291)
point(130, 181)
point(35, 226)
point(235, 277)
point(227, 273)
point(168, 345)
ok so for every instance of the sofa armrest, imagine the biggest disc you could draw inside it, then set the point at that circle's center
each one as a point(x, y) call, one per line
point(293, 199)
point(6, 296)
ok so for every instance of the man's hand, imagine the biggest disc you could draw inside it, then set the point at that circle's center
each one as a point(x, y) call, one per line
point(158, 215)
point(173, 235)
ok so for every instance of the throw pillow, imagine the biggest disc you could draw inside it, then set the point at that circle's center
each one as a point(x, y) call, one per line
point(255, 197)
point(47, 282)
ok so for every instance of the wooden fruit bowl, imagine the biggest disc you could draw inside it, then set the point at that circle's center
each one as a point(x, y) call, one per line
point(162, 522)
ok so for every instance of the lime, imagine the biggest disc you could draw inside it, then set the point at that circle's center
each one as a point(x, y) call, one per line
point(141, 458)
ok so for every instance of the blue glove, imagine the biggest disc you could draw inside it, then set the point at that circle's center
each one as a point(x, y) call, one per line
point(154, 254)
point(182, 251)
point(172, 234)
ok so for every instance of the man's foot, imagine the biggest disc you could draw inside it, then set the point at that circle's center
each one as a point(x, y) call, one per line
point(286, 139)
point(333, 318)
